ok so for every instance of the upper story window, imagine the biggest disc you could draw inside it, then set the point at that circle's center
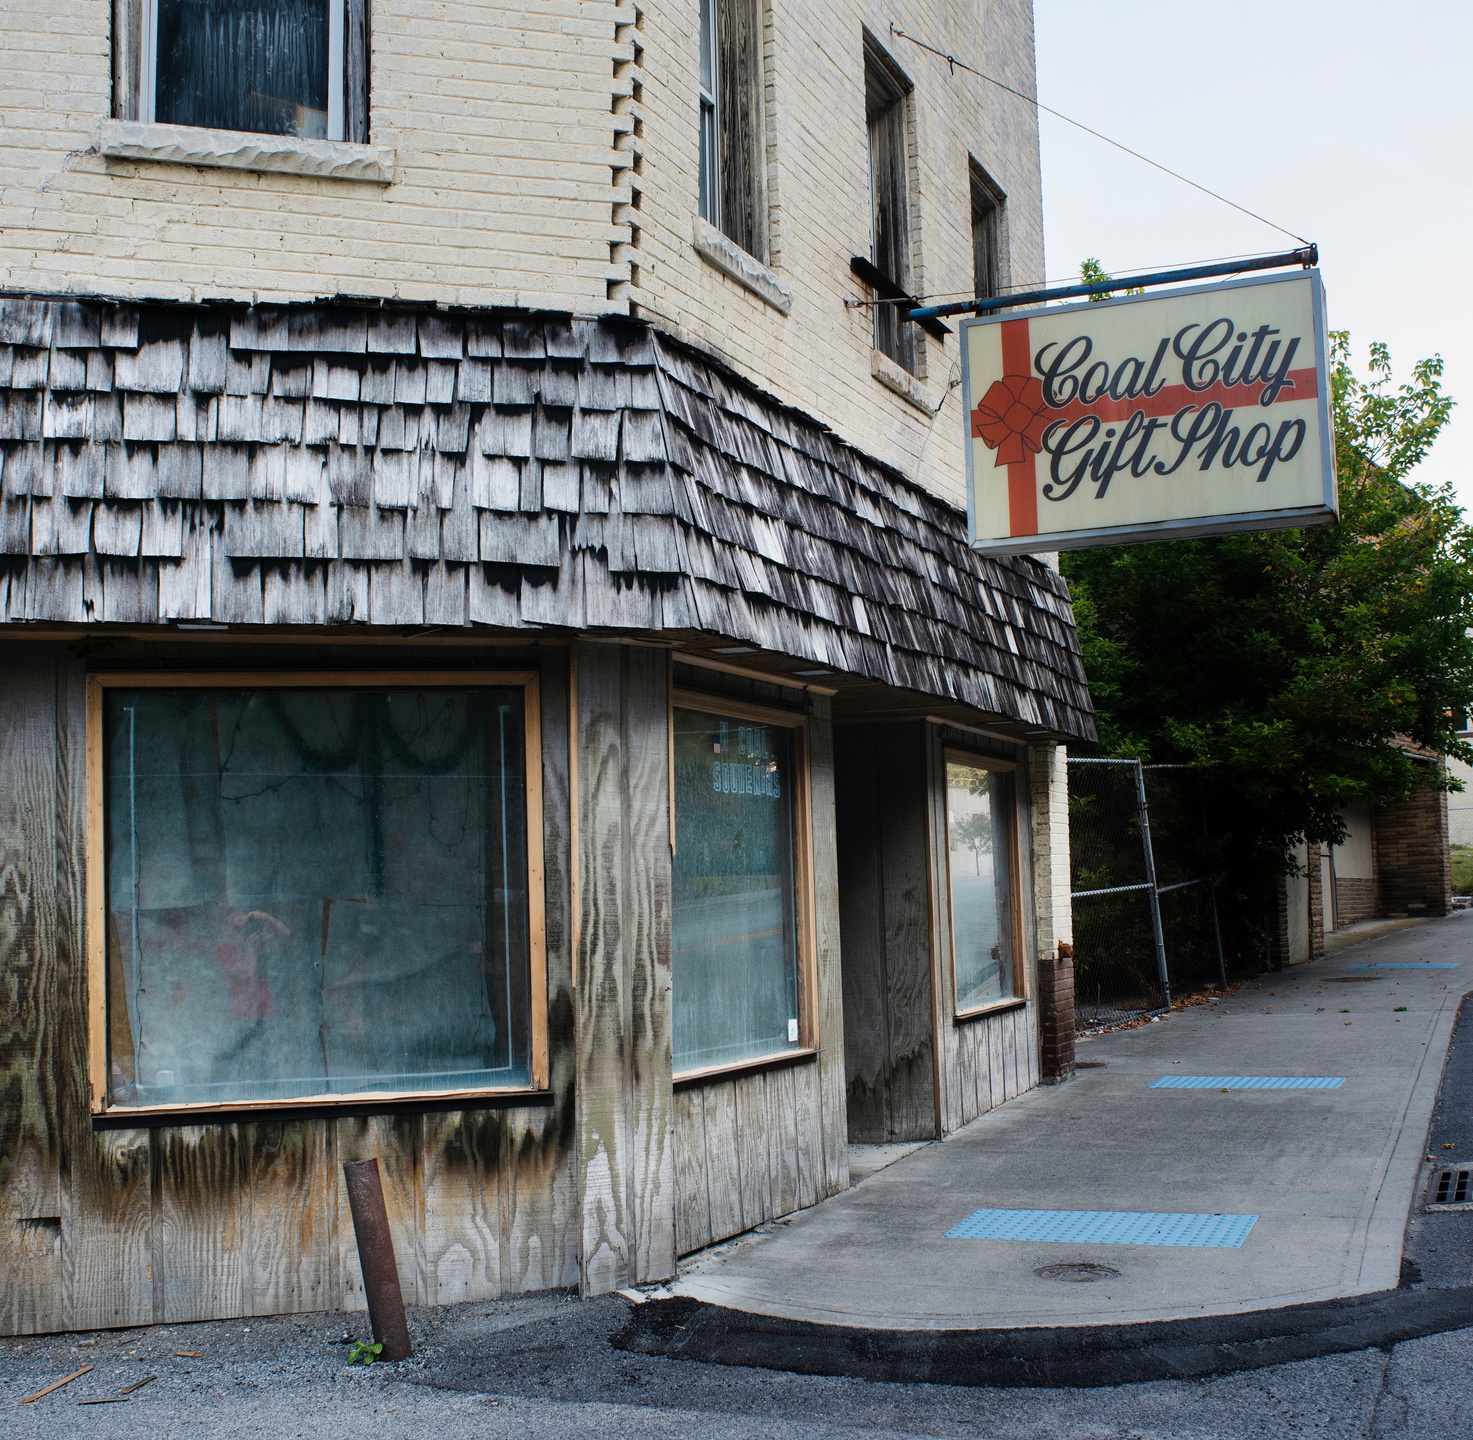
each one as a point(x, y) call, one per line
point(732, 194)
point(987, 235)
point(305, 889)
point(265, 67)
point(885, 103)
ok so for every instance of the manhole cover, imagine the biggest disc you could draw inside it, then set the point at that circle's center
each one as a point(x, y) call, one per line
point(1078, 1274)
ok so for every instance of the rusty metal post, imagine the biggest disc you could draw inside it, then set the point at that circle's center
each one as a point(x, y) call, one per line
point(376, 1255)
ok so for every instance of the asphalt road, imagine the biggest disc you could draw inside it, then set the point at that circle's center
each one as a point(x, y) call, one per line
point(543, 1368)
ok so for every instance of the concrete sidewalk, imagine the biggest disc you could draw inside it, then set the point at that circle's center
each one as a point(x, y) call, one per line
point(1330, 1174)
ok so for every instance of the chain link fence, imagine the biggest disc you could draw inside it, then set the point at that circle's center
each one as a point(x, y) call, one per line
point(1145, 918)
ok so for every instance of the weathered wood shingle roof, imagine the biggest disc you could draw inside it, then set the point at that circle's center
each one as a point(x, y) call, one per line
point(330, 464)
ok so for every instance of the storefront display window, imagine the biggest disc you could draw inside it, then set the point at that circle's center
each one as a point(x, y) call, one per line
point(736, 932)
point(315, 891)
point(979, 825)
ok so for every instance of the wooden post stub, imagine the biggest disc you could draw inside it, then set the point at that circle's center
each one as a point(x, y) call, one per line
point(376, 1256)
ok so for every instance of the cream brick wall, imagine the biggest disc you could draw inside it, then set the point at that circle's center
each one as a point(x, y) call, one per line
point(546, 156)
point(819, 356)
point(500, 117)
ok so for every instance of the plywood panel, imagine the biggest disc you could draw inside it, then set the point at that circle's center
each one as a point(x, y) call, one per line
point(832, 1065)
point(753, 1150)
point(198, 1235)
point(723, 1159)
point(31, 996)
point(624, 1090)
point(289, 1217)
point(877, 789)
point(692, 1205)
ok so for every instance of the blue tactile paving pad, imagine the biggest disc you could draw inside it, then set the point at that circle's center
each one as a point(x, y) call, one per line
point(1248, 1082)
point(1408, 965)
point(1105, 1227)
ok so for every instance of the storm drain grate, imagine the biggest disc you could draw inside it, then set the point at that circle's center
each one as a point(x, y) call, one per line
point(1105, 1227)
point(1453, 1186)
point(1248, 1082)
point(1408, 965)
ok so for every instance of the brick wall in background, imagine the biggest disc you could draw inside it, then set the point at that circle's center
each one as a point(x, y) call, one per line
point(1412, 866)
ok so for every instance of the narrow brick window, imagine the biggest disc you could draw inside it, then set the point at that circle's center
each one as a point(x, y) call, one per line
point(885, 91)
point(731, 166)
point(987, 235)
point(263, 67)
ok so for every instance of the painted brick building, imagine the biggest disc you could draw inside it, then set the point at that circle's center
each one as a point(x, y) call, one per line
point(494, 677)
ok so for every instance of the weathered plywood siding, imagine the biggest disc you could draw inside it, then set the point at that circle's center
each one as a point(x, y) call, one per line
point(626, 1164)
point(883, 810)
point(175, 1223)
point(991, 1057)
point(756, 1146)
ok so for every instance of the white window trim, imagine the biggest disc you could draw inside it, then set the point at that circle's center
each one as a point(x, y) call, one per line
point(241, 150)
point(336, 74)
point(728, 257)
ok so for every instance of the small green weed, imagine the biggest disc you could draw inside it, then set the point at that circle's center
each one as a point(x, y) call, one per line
point(365, 1352)
point(1401, 1007)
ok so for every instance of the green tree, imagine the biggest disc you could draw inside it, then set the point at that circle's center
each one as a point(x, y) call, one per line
point(1289, 665)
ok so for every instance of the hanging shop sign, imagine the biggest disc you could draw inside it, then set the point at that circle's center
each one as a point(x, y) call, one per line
point(1202, 411)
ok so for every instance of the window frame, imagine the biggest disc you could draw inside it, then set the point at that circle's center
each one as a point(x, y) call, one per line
point(804, 896)
point(95, 872)
point(731, 170)
point(989, 209)
point(888, 95)
point(954, 755)
point(135, 64)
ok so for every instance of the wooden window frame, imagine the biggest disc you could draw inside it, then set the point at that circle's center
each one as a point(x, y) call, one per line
point(888, 135)
point(95, 884)
point(135, 60)
point(989, 241)
point(953, 755)
point(804, 895)
point(732, 180)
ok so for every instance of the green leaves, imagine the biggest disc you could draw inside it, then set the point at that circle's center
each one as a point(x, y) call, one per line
point(365, 1352)
point(1295, 666)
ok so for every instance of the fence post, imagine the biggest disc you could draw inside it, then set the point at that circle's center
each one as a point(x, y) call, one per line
point(1152, 896)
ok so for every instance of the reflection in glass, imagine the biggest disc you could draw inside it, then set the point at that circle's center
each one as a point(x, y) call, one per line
point(735, 924)
point(314, 892)
point(981, 883)
point(254, 65)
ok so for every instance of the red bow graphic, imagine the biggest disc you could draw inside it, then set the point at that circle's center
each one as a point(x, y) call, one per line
point(1011, 418)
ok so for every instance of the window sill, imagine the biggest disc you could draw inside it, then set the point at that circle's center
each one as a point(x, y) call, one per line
point(687, 1078)
point(902, 382)
point(734, 262)
point(965, 1017)
point(313, 1107)
point(236, 150)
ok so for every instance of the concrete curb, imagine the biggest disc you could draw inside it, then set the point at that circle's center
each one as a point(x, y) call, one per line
point(1069, 1356)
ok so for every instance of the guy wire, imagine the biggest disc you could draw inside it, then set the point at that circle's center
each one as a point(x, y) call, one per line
point(1038, 105)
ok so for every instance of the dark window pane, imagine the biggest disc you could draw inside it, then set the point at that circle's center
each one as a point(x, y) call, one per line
point(254, 65)
point(315, 892)
point(735, 928)
point(981, 884)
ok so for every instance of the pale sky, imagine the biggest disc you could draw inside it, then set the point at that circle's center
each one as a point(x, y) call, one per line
point(1345, 121)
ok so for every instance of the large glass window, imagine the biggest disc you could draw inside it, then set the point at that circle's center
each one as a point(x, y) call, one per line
point(736, 948)
point(979, 831)
point(315, 891)
point(269, 67)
